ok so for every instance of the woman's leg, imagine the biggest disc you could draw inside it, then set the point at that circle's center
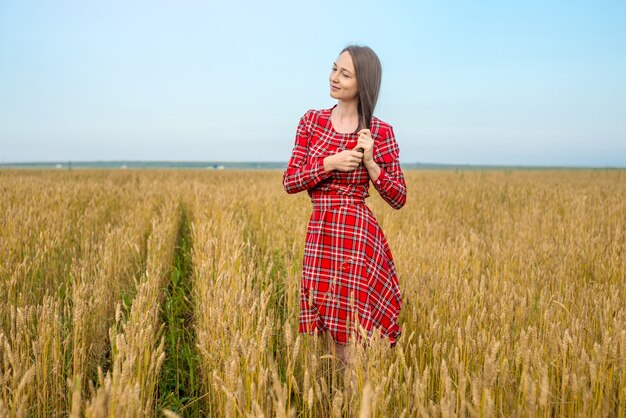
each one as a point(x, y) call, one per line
point(338, 350)
point(343, 352)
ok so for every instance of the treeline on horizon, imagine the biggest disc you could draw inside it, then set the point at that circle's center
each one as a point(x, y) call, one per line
point(219, 165)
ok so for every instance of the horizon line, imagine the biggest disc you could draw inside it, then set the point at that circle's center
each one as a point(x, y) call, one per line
point(243, 162)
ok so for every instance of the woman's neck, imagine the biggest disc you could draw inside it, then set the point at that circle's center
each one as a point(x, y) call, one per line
point(346, 110)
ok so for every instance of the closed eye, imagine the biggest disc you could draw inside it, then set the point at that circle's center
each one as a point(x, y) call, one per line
point(343, 74)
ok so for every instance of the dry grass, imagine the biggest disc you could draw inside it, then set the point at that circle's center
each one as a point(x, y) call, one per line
point(513, 285)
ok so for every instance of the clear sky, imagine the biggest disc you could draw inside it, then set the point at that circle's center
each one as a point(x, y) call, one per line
point(464, 82)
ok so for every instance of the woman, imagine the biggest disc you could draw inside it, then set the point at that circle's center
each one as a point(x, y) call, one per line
point(349, 281)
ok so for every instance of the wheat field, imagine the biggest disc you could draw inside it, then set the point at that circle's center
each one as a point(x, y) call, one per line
point(176, 293)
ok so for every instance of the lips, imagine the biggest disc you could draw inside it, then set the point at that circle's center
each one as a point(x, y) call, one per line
point(333, 87)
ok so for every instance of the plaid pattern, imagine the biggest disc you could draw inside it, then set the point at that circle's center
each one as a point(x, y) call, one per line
point(348, 273)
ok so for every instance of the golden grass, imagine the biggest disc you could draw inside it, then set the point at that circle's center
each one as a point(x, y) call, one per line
point(513, 282)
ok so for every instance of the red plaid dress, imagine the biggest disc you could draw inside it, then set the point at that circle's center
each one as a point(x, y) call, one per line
point(348, 273)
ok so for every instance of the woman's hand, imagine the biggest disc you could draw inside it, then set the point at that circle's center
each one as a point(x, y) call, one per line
point(366, 144)
point(346, 160)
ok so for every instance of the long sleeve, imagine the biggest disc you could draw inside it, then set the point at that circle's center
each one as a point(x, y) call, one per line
point(390, 183)
point(299, 174)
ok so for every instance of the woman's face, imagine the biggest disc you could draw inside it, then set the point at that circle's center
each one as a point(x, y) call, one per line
point(343, 78)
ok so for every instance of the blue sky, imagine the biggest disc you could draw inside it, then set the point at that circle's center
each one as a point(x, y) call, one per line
point(484, 82)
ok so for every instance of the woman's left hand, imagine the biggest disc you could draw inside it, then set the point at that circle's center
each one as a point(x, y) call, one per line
point(366, 143)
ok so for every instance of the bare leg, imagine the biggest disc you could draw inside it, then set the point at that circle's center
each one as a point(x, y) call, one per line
point(343, 352)
point(338, 350)
point(330, 343)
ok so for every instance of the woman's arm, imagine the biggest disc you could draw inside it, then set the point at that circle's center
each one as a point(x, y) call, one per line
point(299, 175)
point(385, 171)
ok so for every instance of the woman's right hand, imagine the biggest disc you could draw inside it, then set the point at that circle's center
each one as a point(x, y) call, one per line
point(346, 161)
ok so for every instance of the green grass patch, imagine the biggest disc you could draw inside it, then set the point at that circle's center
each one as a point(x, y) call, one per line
point(179, 383)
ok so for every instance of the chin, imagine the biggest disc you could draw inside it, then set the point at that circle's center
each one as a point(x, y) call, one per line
point(333, 94)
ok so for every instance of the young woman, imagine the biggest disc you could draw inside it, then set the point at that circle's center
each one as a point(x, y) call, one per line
point(349, 282)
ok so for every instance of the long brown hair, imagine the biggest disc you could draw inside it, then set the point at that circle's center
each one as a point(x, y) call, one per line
point(368, 77)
